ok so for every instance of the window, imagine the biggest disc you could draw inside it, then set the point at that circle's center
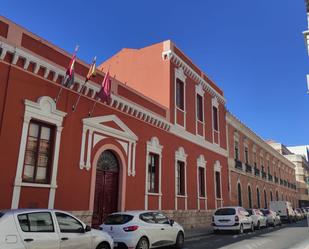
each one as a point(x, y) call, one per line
point(180, 178)
point(118, 219)
point(249, 197)
point(254, 159)
point(225, 211)
point(147, 217)
point(153, 173)
point(39, 153)
point(277, 196)
point(36, 222)
point(68, 224)
point(218, 184)
point(239, 195)
point(215, 118)
point(199, 107)
point(246, 155)
point(161, 219)
point(180, 94)
point(201, 177)
point(265, 199)
point(236, 150)
point(271, 196)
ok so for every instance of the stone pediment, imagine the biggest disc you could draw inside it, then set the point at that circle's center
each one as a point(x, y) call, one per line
point(111, 124)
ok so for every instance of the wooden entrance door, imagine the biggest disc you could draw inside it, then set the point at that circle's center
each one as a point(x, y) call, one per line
point(106, 187)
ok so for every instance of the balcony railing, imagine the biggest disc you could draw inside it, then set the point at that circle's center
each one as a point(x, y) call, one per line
point(256, 172)
point(276, 179)
point(248, 168)
point(270, 177)
point(263, 174)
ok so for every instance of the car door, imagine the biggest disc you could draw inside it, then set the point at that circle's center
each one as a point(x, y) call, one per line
point(169, 233)
point(247, 220)
point(37, 230)
point(152, 229)
point(72, 232)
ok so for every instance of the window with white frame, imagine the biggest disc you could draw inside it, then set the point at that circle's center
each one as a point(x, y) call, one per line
point(39, 152)
point(199, 108)
point(236, 150)
point(153, 173)
point(246, 155)
point(201, 178)
point(180, 94)
point(218, 184)
point(215, 118)
point(181, 181)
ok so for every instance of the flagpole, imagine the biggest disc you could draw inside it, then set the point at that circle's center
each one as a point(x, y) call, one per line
point(64, 79)
point(81, 90)
point(97, 99)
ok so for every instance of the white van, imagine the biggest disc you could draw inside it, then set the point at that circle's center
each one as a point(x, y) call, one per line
point(284, 209)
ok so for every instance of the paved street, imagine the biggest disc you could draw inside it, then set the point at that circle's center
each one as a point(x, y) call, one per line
point(295, 236)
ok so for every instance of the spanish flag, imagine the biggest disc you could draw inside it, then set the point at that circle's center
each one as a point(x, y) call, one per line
point(69, 76)
point(92, 70)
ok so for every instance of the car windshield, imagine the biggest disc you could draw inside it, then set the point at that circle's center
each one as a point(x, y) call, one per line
point(225, 211)
point(118, 219)
point(249, 211)
point(265, 211)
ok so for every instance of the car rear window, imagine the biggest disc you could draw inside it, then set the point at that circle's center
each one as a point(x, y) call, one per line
point(265, 211)
point(118, 219)
point(249, 211)
point(225, 211)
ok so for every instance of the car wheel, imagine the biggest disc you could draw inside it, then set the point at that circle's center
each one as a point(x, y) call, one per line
point(179, 241)
point(103, 245)
point(143, 243)
point(241, 229)
point(258, 227)
point(252, 227)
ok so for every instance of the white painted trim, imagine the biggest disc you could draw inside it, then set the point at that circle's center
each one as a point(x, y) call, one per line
point(96, 124)
point(44, 110)
point(199, 91)
point(201, 163)
point(217, 168)
point(153, 146)
point(179, 74)
point(180, 155)
point(215, 103)
point(195, 76)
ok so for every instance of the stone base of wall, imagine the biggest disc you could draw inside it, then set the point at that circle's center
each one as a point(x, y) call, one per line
point(84, 215)
point(191, 219)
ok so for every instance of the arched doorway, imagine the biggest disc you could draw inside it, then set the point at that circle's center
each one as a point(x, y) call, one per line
point(106, 187)
point(265, 199)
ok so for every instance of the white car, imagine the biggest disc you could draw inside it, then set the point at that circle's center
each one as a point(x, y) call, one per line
point(232, 218)
point(143, 230)
point(273, 219)
point(259, 220)
point(48, 229)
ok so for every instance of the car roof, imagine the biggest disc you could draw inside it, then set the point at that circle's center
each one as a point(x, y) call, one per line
point(29, 210)
point(236, 207)
point(137, 212)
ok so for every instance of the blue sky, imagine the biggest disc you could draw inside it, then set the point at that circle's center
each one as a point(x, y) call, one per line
point(254, 50)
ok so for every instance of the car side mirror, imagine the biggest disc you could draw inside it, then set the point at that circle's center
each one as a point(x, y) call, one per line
point(172, 222)
point(87, 228)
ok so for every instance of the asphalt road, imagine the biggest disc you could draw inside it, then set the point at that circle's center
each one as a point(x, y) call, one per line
point(294, 236)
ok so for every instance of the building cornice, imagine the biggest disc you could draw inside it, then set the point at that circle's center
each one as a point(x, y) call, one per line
point(191, 73)
point(237, 124)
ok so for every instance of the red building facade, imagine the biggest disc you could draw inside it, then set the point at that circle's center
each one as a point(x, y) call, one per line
point(160, 143)
point(258, 173)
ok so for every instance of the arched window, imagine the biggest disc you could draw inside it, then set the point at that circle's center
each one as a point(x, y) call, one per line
point(271, 196)
point(258, 198)
point(249, 197)
point(277, 196)
point(239, 195)
point(265, 199)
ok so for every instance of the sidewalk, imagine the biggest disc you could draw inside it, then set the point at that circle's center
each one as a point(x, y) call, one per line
point(197, 232)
